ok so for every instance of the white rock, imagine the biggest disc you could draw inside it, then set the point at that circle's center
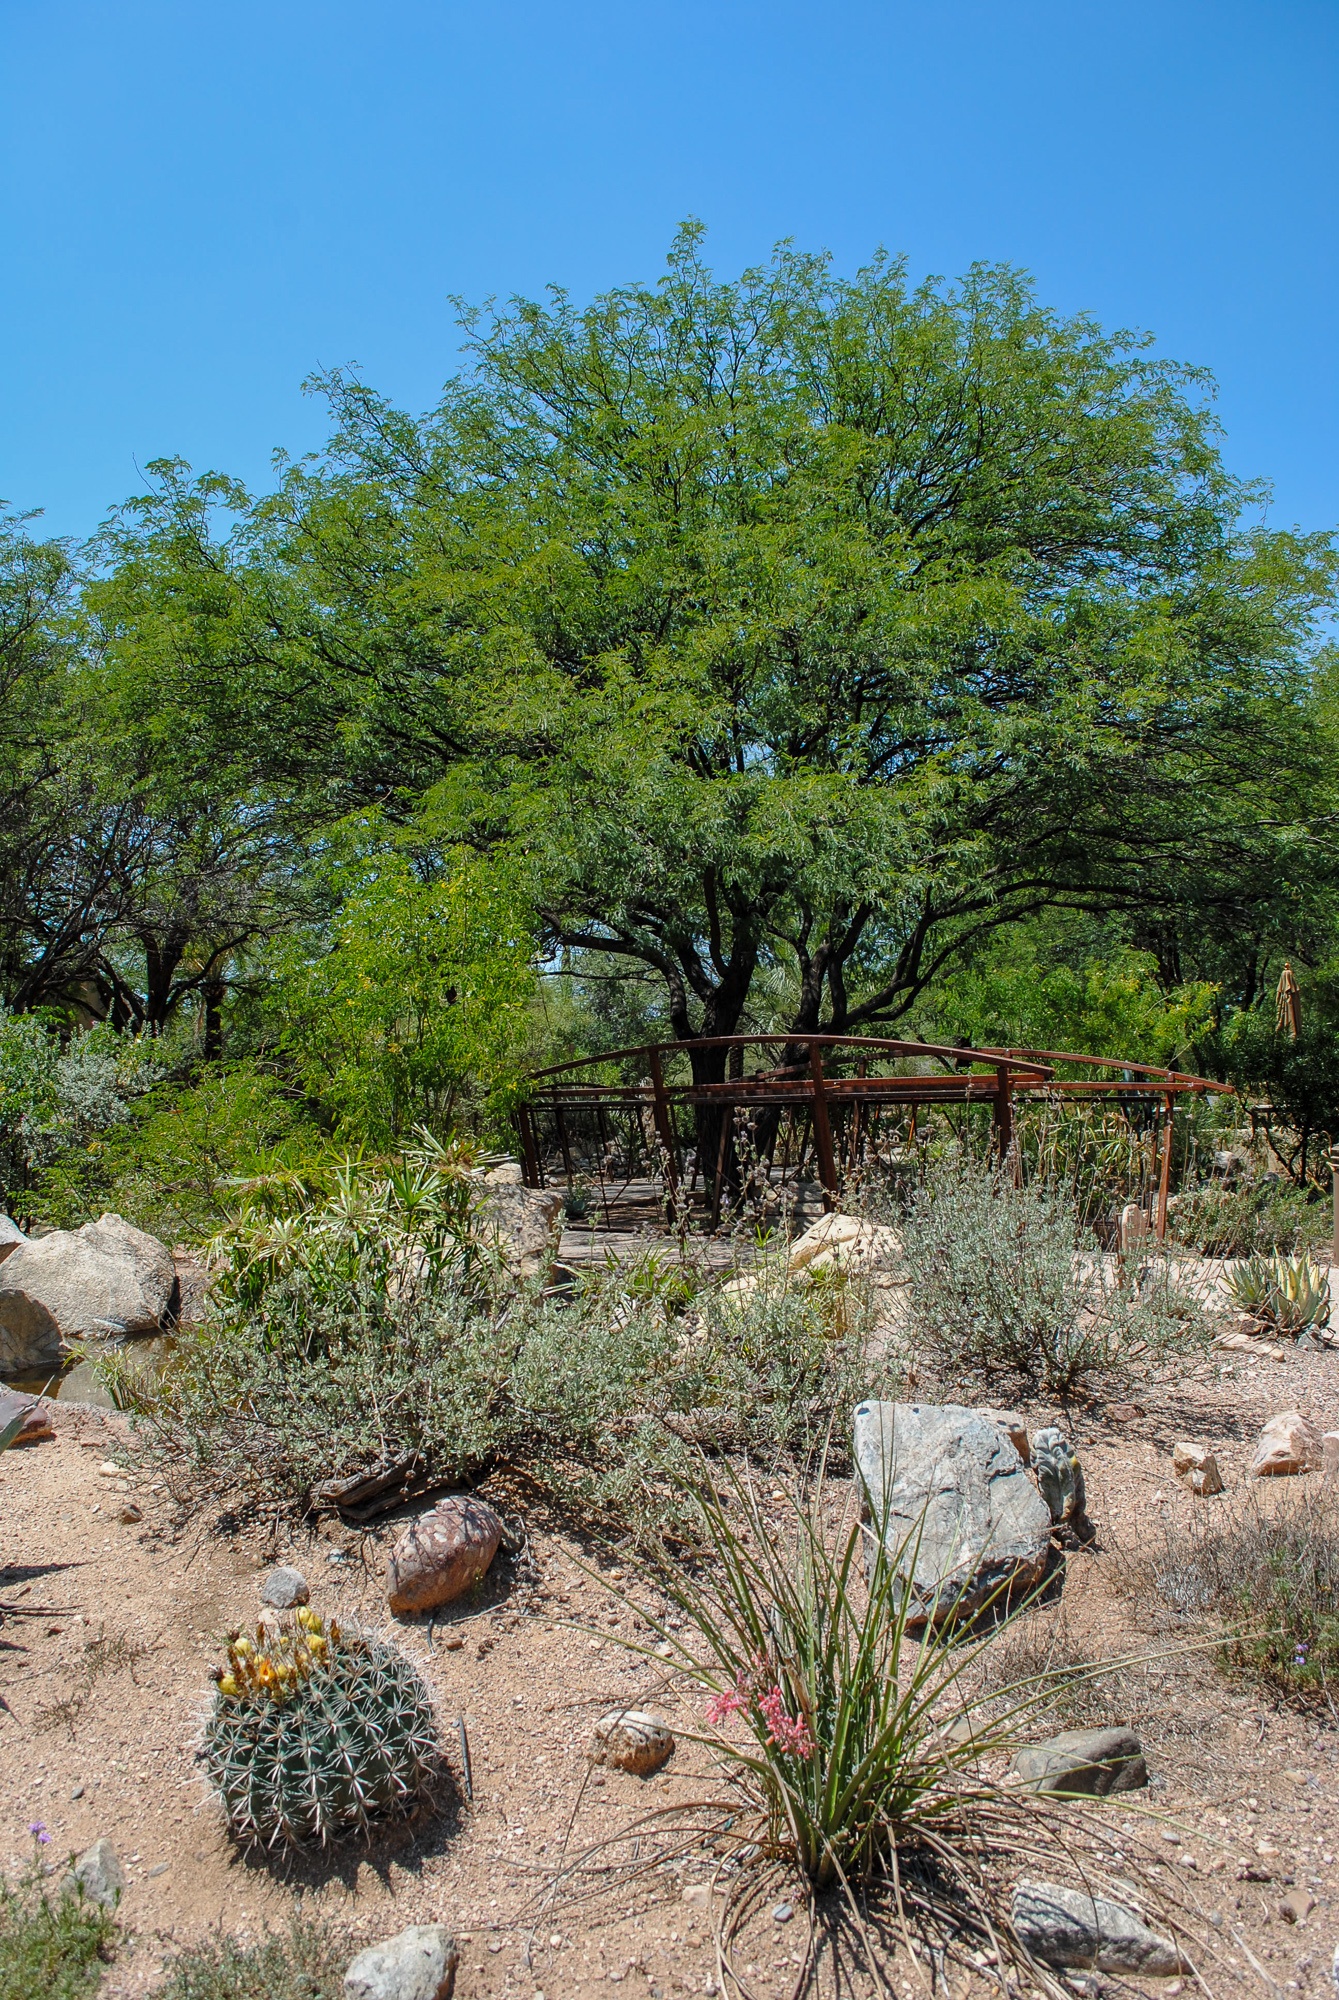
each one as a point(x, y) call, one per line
point(10, 1237)
point(105, 1279)
point(418, 1964)
point(523, 1225)
point(843, 1243)
point(1287, 1444)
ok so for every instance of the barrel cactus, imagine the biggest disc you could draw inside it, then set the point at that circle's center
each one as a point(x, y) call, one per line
point(315, 1733)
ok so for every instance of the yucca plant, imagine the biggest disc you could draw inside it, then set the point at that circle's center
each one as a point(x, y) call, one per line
point(1289, 1294)
point(316, 1733)
point(852, 1735)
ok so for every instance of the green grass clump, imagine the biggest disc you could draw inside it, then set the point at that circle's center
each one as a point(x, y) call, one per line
point(306, 1964)
point(51, 1945)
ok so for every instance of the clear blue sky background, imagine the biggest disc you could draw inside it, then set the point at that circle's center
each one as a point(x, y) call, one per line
point(203, 202)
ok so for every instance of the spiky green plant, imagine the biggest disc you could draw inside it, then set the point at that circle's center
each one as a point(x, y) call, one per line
point(1287, 1293)
point(316, 1733)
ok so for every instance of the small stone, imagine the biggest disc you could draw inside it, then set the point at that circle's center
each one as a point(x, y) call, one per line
point(1084, 1763)
point(159, 1868)
point(1196, 1467)
point(418, 1964)
point(698, 1894)
point(442, 1553)
point(632, 1739)
point(1297, 1906)
point(285, 1589)
point(782, 1914)
point(1069, 1927)
point(129, 1514)
point(99, 1874)
point(77, 1793)
point(110, 1470)
point(1287, 1444)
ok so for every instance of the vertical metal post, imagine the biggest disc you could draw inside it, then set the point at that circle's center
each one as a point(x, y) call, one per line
point(561, 1123)
point(827, 1166)
point(1165, 1175)
point(1004, 1111)
point(529, 1151)
point(664, 1128)
point(1334, 1172)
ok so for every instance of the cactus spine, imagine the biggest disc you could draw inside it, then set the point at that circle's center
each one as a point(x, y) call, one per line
point(316, 1733)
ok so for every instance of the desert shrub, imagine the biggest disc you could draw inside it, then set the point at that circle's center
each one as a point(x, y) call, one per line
point(1074, 1688)
point(301, 1375)
point(304, 1964)
point(1256, 1218)
point(1005, 1277)
point(1268, 1576)
point(50, 1943)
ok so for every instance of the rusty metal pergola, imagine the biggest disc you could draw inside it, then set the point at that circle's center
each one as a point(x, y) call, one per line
point(820, 1098)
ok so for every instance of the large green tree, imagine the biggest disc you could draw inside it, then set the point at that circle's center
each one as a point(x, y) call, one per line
point(803, 622)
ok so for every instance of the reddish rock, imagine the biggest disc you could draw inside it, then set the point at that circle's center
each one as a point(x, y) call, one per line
point(1288, 1444)
point(442, 1554)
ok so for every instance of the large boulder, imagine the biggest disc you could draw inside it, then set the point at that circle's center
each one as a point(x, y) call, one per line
point(11, 1236)
point(523, 1225)
point(948, 1491)
point(96, 1283)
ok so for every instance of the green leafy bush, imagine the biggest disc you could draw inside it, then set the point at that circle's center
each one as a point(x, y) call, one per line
point(1259, 1217)
point(305, 1964)
point(1006, 1277)
point(51, 1943)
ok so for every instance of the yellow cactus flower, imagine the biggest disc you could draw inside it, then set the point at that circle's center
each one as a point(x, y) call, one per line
point(242, 1646)
point(228, 1685)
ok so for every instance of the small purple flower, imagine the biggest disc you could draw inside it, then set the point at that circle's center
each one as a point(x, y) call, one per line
point(38, 1832)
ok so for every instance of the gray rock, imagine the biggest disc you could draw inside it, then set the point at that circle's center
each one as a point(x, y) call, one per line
point(285, 1589)
point(523, 1225)
point(1069, 1927)
point(105, 1279)
point(419, 1964)
point(192, 1286)
point(952, 1477)
point(633, 1739)
point(99, 1874)
point(10, 1237)
point(442, 1553)
point(1087, 1763)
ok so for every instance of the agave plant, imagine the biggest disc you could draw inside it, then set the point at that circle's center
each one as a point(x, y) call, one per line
point(1289, 1294)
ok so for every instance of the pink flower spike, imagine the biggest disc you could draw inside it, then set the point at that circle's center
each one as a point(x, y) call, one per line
point(787, 1733)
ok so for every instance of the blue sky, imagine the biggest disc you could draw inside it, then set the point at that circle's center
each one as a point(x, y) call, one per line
point(204, 203)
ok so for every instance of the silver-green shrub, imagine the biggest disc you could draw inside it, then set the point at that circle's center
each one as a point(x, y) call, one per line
point(1004, 1279)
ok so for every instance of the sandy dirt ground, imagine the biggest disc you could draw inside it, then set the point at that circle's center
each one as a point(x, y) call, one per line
point(110, 1629)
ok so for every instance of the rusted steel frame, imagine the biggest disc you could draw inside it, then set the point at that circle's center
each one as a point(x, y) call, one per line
point(827, 1165)
point(530, 1167)
point(853, 1142)
point(727, 1130)
point(561, 1124)
point(1165, 1176)
point(664, 1126)
point(1004, 1113)
point(986, 1058)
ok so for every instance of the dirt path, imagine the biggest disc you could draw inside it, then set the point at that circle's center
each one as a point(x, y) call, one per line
point(104, 1679)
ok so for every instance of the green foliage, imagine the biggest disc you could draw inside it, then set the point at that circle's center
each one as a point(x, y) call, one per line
point(315, 1735)
point(305, 1964)
point(1009, 995)
point(1299, 1079)
point(1243, 1220)
point(411, 998)
point(51, 1943)
point(62, 1096)
point(173, 1167)
point(1289, 1294)
point(1006, 1277)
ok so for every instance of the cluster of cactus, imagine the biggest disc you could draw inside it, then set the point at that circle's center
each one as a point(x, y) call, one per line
point(1060, 1476)
point(1287, 1293)
point(316, 1733)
